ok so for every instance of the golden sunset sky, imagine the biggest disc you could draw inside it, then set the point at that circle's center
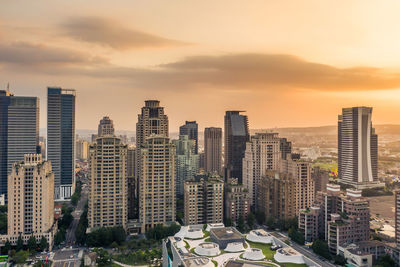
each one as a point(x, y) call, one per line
point(287, 63)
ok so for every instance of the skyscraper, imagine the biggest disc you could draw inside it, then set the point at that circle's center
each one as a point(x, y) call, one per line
point(191, 129)
point(132, 184)
point(236, 136)
point(19, 131)
point(151, 120)
point(61, 139)
point(213, 150)
point(262, 153)
point(108, 184)
point(187, 162)
point(157, 182)
point(357, 147)
point(106, 127)
point(31, 200)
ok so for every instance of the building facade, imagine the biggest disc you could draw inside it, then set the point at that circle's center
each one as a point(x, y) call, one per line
point(357, 148)
point(262, 154)
point(61, 140)
point(187, 162)
point(133, 212)
point(82, 149)
point(19, 132)
point(157, 182)
point(108, 184)
point(191, 129)
point(237, 201)
point(338, 218)
point(236, 135)
point(204, 199)
point(31, 200)
point(213, 150)
point(106, 127)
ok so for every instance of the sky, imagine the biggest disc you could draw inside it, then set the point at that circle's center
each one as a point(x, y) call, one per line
point(286, 63)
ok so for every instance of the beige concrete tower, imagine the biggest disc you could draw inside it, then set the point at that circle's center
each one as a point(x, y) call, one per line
point(213, 150)
point(262, 154)
point(156, 182)
point(108, 184)
point(31, 200)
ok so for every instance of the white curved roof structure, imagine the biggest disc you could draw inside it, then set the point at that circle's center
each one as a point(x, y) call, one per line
point(194, 233)
point(207, 249)
point(182, 232)
point(179, 242)
point(259, 236)
point(288, 255)
point(253, 254)
point(234, 247)
point(214, 225)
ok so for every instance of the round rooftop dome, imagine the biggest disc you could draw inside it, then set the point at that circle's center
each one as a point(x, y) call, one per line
point(207, 249)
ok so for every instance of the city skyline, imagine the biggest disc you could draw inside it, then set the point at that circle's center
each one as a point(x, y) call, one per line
point(311, 73)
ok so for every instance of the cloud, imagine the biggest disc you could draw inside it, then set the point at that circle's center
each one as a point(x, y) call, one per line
point(23, 53)
point(110, 33)
point(253, 72)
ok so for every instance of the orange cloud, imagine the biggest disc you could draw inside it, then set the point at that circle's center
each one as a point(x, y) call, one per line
point(108, 32)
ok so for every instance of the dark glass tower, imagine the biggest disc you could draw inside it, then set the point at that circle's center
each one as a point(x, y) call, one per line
point(191, 129)
point(61, 139)
point(236, 136)
point(19, 131)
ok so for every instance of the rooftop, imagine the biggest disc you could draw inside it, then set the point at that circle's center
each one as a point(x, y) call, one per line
point(226, 233)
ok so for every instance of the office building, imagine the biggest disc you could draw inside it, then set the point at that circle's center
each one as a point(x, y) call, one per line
point(19, 132)
point(106, 127)
point(61, 140)
point(236, 136)
point(187, 162)
point(237, 200)
point(357, 148)
point(213, 150)
point(108, 183)
point(31, 200)
point(204, 199)
point(157, 182)
point(191, 129)
point(262, 154)
point(321, 179)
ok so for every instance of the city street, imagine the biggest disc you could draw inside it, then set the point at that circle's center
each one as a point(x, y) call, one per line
point(66, 258)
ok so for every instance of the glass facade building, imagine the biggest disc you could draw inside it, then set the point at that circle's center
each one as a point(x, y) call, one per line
point(61, 139)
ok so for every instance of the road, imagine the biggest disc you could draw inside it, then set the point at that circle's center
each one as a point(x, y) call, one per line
point(307, 252)
point(68, 257)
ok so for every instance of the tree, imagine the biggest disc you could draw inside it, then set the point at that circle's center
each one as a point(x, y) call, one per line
point(385, 261)
point(339, 260)
point(240, 224)
point(119, 235)
point(260, 217)
point(250, 220)
point(270, 222)
point(103, 258)
point(7, 246)
point(32, 244)
point(60, 237)
point(321, 248)
point(43, 244)
point(21, 256)
point(20, 244)
point(296, 236)
point(228, 222)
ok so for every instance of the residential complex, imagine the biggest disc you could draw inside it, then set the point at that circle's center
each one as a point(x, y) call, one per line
point(237, 200)
point(61, 139)
point(357, 148)
point(236, 135)
point(340, 218)
point(31, 200)
point(108, 183)
point(19, 132)
point(262, 153)
point(82, 149)
point(133, 212)
point(213, 150)
point(187, 161)
point(157, 182)
point(204, 199)
point(191, 129)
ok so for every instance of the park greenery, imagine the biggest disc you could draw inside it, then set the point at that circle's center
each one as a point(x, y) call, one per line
point(159, 232)
point(77, 194)
point(105, 236)
point(3, 219)
point(320, 247)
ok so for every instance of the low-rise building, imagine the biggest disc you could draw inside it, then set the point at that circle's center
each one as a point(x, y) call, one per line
point(226, 235)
